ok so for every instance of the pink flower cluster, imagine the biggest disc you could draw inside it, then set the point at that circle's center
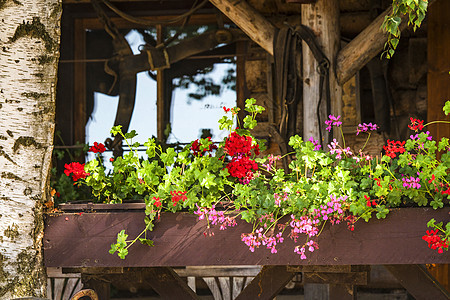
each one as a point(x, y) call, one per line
point(366, 127)
point(333, 121)
point(336, 149)
point(301, 250)
point(278, 199)
point(258, 238)
point(215, 217)
point(315, 143)
point(309, 224)
point(411, 182)
point(271, 161)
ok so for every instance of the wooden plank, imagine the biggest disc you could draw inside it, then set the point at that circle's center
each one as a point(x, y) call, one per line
point(323, 19)
point(69, 289)
point(238, 285)
point(213, 287)
point(419, 282)
point(221, 271)
point(225, 287)
point(250, 21)
point(73, 240)
point(341, 292)
point(69, 207)
point(354, 278)
point(168, 284)
point(267, 284)
point(364, 47)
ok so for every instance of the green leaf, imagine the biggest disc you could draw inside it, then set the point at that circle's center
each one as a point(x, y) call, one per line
point(146, 242)
point(446, 108)
point(122, 253)
point(131, 134)
point(431, 223)
point(116, 130)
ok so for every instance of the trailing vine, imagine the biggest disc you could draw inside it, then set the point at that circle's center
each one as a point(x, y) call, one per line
point(415, 10)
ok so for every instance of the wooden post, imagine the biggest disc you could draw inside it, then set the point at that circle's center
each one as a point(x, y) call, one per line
point(438, 82)
point(323, 19)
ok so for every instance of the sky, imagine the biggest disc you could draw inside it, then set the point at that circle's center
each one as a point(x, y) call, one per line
point(187, 117)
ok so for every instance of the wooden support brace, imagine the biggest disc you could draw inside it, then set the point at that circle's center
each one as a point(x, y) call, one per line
point(356, 54)
point(168, 284)
point(418, 282)
point(267, 284)
point(249, 20)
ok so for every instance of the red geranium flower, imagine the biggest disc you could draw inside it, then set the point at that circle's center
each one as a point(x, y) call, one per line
point(394, 147)
point(76, 169)
point(97, 148)
point(157, 202)
point(177, 196)
point(416, 124)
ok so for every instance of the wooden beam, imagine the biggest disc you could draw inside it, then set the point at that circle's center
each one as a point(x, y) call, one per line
point(369, 43)
point(418, 282)
point(323, 19)
point(267, 284)
point(250, 21)
point(72, 240)
point(168, 284)
point(351, 278)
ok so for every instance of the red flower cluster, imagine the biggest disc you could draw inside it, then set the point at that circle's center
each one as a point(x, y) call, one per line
point(241, 148)
point(236, 144)
point(157, 202)
point(394, 147)
point(233, 110)
point(97, 148)
point(416, 124)
point(369, 203)
point(76, 169)
point(351, 220)
point(177, 196)
point(434, 241)
point(242, 167)
point(195, 147)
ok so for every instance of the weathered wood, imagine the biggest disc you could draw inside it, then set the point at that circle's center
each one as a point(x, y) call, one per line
point(250, 21)
point(101, 287)
point(323, 18)
point(213, 287)
point(364, 47)
point(418, 282)
point(341, 292)
point(73, 240)
point(168, 284)
point(220, 271)
point(351, 278)
point(272, 278)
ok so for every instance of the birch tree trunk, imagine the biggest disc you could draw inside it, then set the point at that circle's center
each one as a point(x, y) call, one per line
point(29, 52)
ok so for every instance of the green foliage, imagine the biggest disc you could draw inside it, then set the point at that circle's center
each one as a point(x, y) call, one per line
point(416, 11)
point(196, 177)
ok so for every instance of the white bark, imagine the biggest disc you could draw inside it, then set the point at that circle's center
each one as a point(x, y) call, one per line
point(28, 65)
